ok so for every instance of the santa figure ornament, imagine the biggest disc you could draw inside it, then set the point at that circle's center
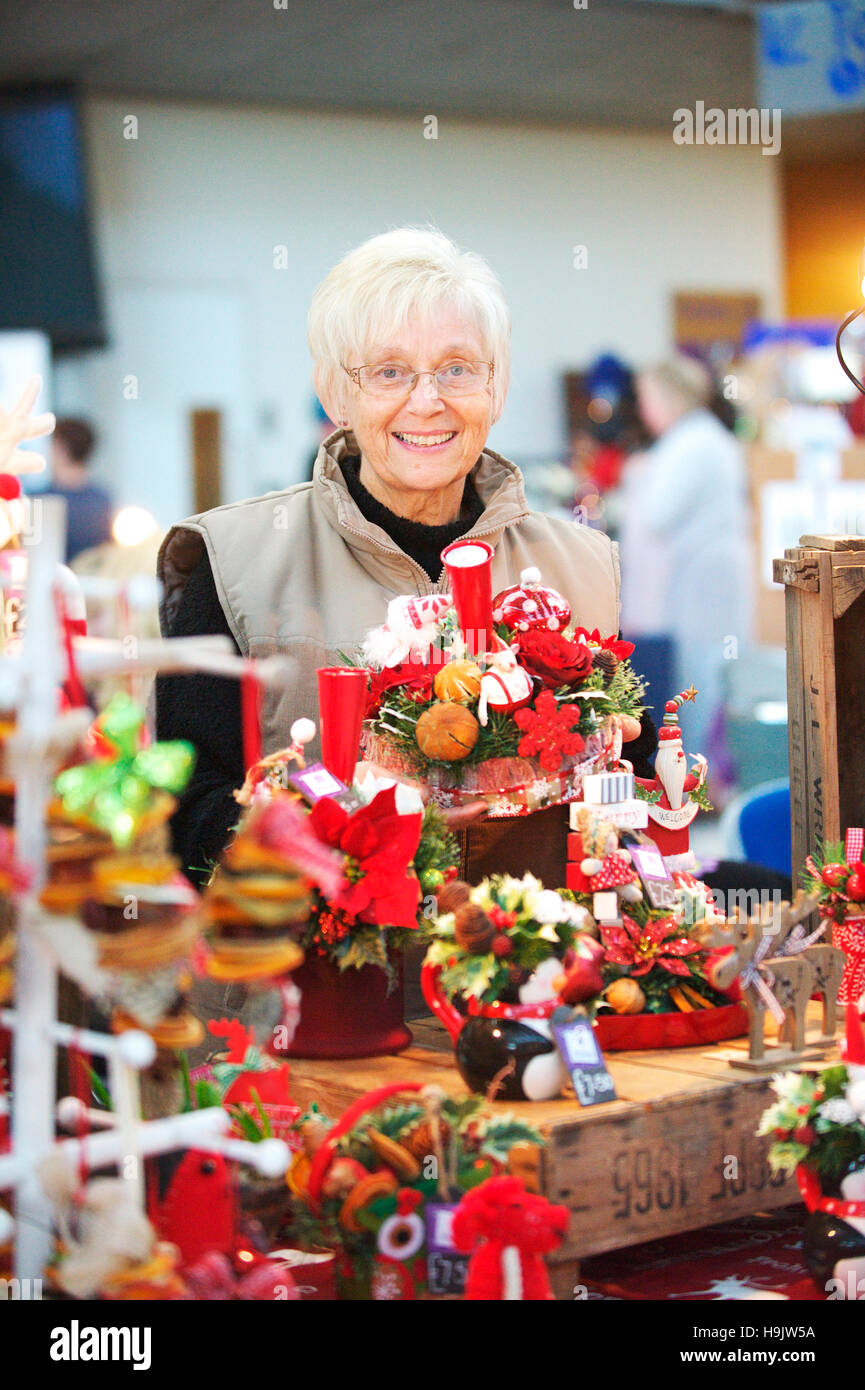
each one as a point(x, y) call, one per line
point(671, 815)
point(410, 632)
point(527, 605)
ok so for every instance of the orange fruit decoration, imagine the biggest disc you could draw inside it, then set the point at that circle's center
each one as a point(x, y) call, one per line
point(447, 732)
point(459, 681)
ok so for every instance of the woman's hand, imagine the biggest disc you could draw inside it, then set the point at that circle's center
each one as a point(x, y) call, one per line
point(458, 817)
point(16, 425)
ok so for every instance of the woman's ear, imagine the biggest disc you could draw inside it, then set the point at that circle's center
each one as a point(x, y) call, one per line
point(332, 394)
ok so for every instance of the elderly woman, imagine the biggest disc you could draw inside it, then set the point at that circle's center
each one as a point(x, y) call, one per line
point(410, 340)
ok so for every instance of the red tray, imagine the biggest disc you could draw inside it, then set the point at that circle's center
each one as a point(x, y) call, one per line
point(648, 1032)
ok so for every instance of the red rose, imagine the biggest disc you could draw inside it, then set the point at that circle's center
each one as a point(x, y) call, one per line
point(553, 659)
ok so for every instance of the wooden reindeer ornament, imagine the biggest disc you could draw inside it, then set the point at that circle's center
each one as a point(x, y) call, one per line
point(769, 956)
point(828, 963)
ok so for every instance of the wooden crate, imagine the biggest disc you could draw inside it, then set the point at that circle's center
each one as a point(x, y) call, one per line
point(824, 579)
point(676, 1151)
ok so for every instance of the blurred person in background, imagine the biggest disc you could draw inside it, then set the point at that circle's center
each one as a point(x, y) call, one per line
point(610, 431)
point(89, 509)
point(686, 537)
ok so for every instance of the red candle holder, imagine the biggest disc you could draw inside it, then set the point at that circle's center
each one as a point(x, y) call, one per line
point(341, 702)
point(469, 567)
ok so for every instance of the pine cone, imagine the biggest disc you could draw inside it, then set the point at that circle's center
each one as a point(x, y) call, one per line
point(473, 929)
point(607, 663)
point(452, 895)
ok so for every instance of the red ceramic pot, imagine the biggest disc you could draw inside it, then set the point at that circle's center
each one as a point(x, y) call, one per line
point(347, 1013)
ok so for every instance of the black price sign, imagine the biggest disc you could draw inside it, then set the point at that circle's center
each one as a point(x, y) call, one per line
point(576, 1041)
point(446, 1267)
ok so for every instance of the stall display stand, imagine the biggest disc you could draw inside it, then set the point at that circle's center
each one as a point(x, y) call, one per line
point(29, 682)
point(678, 1149)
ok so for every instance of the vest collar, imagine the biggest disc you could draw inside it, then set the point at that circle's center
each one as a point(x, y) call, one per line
point(498, 482)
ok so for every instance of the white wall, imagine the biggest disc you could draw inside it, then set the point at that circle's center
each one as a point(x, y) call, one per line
point(188, 215)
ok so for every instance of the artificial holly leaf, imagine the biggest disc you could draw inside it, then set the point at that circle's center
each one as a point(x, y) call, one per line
point(399, 1119)
point(500, 1136)
point(363, 948)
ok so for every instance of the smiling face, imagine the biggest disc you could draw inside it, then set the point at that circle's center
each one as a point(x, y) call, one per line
point(417, 450)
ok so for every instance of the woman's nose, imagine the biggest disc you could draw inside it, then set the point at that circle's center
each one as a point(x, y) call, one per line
point(426, 388)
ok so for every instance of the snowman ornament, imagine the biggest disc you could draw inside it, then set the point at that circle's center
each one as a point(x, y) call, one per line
point(543, 1075)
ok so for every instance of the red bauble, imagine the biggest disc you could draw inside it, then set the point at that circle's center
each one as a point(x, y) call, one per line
point(855, 886)
point(10, 487)
point(833, 875)
point(528, 605)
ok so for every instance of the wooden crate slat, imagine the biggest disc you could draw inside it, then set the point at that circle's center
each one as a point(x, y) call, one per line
point(671, 1166)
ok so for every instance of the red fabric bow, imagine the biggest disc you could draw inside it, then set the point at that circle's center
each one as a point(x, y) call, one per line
point(383, 843)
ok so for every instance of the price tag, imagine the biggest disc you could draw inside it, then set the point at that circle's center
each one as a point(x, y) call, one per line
point(576, 1041)
point(446, 1267)
point(654, 874)
point(315, 782)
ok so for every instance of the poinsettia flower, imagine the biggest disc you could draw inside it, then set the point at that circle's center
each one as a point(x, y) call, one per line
point(641, 948)
point(620, 649)
point(383, 844)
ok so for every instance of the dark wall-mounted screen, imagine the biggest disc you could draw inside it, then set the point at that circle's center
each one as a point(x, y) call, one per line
point(47, 266)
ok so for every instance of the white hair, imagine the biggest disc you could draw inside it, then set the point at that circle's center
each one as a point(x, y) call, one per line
point(392, 280)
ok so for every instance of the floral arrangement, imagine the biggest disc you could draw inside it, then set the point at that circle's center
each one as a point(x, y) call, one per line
point(661, 953)
point(489, 940)
point(545, 697)
point(839, 882)
point(362, 1187)
point(837, 874)
point(817, 1120)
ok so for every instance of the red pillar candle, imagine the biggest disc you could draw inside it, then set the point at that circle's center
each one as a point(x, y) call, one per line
point(341, 701)
point(469, 567)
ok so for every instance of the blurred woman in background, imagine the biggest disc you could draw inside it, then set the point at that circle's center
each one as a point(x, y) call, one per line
point(686, 536)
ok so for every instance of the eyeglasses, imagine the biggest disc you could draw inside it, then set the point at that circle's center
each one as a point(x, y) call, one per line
point(393, 379)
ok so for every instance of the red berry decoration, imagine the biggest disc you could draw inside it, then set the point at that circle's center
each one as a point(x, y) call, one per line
point(805, 1134)
point(502, 946)
point(833, 875)
point(10, 487)
point(855, 887)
